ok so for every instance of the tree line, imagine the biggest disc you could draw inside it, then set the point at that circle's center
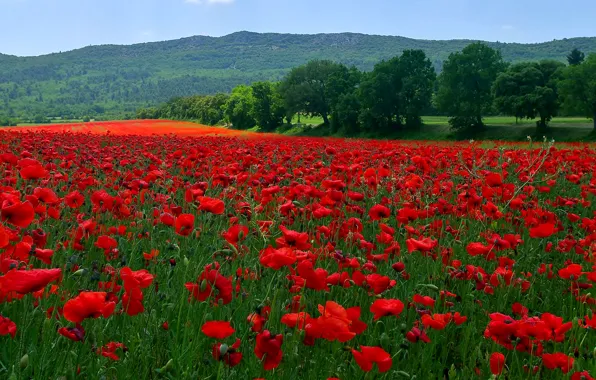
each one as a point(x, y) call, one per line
point(475, 82)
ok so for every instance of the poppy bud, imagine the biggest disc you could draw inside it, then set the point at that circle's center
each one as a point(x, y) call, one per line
point(203, 285)
point(24, 362)
point(399, 266)
point(13, 376)
point(80, 272)
point(186, 262)
point(223, 349)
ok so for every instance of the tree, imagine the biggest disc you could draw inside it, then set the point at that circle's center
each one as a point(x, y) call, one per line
point(314, 88)
point(379, 96)
point(465, 85)
point(238, 108)
point(578, 88)
point(268, 109)
point(527, 90)
point(417, 81)
point(576, 57)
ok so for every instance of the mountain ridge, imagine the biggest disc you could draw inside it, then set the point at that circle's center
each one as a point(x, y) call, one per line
point(117, 79)
point(245, 32)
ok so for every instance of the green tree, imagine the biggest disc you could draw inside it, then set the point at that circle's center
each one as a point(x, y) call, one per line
point(465, 85)
point(315, 88)
point(238, 109)
point(417, 81)
point(380, 96)
point(268, 109)
point(576, 57)
point(578, 88)
point(529, 90)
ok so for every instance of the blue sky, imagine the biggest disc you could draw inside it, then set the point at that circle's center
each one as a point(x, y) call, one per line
point(33, 27)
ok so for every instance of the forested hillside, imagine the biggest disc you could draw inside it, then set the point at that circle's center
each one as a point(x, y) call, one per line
point(114, 80)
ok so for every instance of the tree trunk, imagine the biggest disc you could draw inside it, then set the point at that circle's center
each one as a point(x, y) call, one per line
point(594, 120)
point(325, 119)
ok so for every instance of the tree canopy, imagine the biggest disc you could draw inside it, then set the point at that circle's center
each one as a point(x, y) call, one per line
point(465, 85)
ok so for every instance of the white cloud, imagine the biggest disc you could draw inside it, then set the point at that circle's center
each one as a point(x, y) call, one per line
point(209, 1)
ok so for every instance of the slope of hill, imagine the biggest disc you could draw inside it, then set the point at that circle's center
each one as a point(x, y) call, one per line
point(115, 79)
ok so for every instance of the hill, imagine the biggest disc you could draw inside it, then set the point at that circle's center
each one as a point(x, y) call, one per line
point(115, 79)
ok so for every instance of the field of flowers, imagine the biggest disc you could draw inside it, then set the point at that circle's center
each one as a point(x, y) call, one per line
point(203, 255)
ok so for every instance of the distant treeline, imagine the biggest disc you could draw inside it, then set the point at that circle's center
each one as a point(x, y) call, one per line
point(474, 83)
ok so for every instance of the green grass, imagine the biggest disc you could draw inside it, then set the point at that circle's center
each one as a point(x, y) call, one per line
point(505, 128)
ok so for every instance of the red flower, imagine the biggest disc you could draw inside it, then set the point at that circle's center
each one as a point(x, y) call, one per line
point(24, 282)
point(497, 363)
point(416, 335)
point(543, 230)
point(277, 258)
point(212, 205)
point(571, 272)
point(298, 240)
point(217, 329)
point(383, 307)
point(35, 171)
point(424, 245)
point(370, 355)
point(109, 350)
point(19, 214)
point(211, 284)
point(228, 355)
point(76, 334)
point(268, 349)
point(299, 320)
point(88, 305)
point(558, 360)
point(235, 234)
point(378, 212)
point(424, 300)
point(184, 224)
point(7, 327)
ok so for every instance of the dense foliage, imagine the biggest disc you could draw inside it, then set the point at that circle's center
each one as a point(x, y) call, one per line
point(111, 81)
point(474, 83)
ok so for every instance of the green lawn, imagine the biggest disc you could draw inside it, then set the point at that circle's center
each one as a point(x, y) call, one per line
point(497, 128)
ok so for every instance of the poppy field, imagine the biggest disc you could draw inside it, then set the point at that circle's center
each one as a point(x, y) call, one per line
point(127, 253)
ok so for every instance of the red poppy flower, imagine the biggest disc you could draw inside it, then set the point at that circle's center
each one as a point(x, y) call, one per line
point(571, 272)
point(211, 284)
point(28, 281)
point(424, 245)
point(543, 230)
point(415, 335)
point(296, 320)
point(497, 363)
point(378, 212)
point(235, 234)
point(19, 214)
point(76, 334)
point(88, 305)
point(212, 205)
point(558, 360)
point(370, 355)
point(383, 307)
point(268, 349)
point(228, 354)
point(7, 327)
point(277, 258)
point(217, 329)
point(423, 300)
point(109, 350)
point(34, 172)
point(184, 224)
